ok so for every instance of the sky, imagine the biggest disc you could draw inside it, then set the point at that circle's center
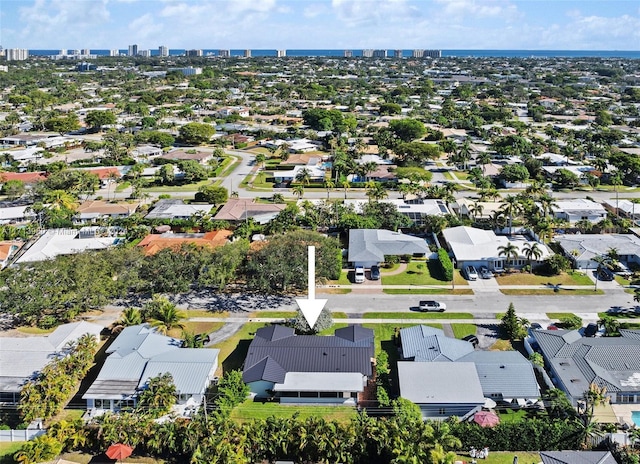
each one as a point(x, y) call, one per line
point(321, 24)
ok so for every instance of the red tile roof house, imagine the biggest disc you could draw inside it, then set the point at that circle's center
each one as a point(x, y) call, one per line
point(106, 175)
point(28, 178)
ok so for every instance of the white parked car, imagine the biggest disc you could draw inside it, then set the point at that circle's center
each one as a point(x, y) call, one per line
point(359, 275)
point(471, 272)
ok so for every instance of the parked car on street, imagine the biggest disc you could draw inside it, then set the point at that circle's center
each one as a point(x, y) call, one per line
point(359, 275)
point(375, 272)
point(431, 305)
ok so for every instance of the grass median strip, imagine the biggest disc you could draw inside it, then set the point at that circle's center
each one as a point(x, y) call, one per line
point(427, 291)
point(544, 291)
point(432, 315)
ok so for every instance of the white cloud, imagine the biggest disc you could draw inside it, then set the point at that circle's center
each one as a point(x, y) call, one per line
point(313, 10)
point(145, 27)
point(370, 12)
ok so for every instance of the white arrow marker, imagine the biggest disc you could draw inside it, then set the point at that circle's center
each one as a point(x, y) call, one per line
point(310, 307)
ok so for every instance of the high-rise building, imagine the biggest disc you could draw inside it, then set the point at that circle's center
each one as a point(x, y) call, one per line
point(379, 53)
point(397, 53)
point(63, 52)
point(145, 53)
point(16, 54)
point(368, 53)
point(114, 52)
point(417, 53)
point(85, 51)
point(224, 53)
point(163, 51)
point(281, 53)
point(247, 53)
point(133, 50)
point(348, 54)
point(432, 54)
point(193, 53)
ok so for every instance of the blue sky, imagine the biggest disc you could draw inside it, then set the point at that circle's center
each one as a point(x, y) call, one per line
point(322, 24)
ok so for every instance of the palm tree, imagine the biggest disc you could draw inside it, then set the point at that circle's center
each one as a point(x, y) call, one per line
point(304, 176)
point(476, 209)
point(584, 225)
point(329, 185)
point(163, 315)
point(376, 191)
point(511, 208)
point(483, 159)
point(531, 250)
point(60, 199)
point(510, 251)
point(547, 204)
point(298, 190)
point(616, 181)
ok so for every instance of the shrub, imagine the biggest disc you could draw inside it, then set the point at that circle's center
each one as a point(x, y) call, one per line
point(445, 264)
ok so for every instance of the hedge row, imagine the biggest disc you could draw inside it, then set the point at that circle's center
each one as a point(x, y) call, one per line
point(445, 264)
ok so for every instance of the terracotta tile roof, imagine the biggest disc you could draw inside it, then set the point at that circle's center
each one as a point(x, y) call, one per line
point(153, 243)
point(103, 173)
point(26, 177)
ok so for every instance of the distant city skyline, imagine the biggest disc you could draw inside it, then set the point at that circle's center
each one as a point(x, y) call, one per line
point(321, 24)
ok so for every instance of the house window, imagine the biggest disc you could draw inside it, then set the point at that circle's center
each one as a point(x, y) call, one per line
point(442, 411)
point(308, 394)
point(288, 394)
point(330, 395)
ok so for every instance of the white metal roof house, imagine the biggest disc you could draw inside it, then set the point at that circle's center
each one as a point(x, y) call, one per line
point(177, 209)
point(579, 209)
point(22, 358)
point(422, 343)
point(574, 362)
point(311, 369)
point(581, 249)
point(56, 242)
point(441, 389)
point(478, 247)
point(368, 247)
point(139, 353)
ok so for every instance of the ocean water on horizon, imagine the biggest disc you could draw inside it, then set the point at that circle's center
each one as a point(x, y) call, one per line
point(626, 54)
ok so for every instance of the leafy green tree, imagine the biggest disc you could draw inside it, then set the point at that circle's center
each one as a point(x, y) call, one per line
point(212, 194)
point(13, 189)
point(536, 359)
point(40, 449)
point(389, 109)
point(511, 325)
point(158, 396)
point(566, 179)
point(195, 133)
point(166, 175)
point(63, 124)
point(416, 154)
point(556, 264)
point(611, 326)
point(407, 129)
point(193, 171)
point(98, 119)
point(231, 390)
point(514, 173)
point(224, 264)
point(571, 322)
point(300, 324)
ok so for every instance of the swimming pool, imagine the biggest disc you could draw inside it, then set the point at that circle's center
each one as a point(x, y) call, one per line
point(635, 417)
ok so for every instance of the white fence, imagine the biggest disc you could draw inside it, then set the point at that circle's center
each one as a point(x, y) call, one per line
point(20, 435)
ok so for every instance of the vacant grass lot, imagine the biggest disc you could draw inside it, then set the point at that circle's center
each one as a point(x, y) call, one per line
point(525, 278)
point(375, 315)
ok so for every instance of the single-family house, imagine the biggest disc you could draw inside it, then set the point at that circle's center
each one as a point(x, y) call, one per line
point(441, 389)
point(240, 209)
point(422, 343)
point(478, 247)
point(505, 376)
point(578, 209)
point(107, 175)
point(315, 171)
point(579, 170)
point(368, 247)
point(22, 358)
point(171, 209)
point(29, 178)
point(577, 457)
point(311, 369)
point(583, 249)
point(56, 242)
point(16, 214)
point(476, 209)
point(8, 249)
point(575, 362)
point(140, 353)
point(153, 243)
point(625, 208)
point(94, 210)
point(415, 209)
point(180, 155)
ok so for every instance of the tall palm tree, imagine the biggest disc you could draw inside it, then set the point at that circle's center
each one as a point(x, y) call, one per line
point(164, 315)
point(304, 176)
point(531, 250)
point(60, 199)
point(329, 185)
point(376, 191)
point(298, 190)
point(511, 207)
point(510, 251)
point(483, 159)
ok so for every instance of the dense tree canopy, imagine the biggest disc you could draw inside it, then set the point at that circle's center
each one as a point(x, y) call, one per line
point(196, 133)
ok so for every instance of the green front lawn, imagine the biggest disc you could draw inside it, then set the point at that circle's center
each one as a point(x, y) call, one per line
point(421, 273)
point(177, 188)
point(290, 314)
point(525, 278)
point(504, 457)
point(233, 350)
point(7, 450)
point(462, 330)
point(413, 315)
point(342, 280)
point(544, 291)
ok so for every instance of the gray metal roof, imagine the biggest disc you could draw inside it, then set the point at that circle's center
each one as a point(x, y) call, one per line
point(577, 457)
point(587, 246)
point(612, 362)
point(139, 353)
point(505, 372)
point(423, 343)
point(272, 354)
point(439, 383)
point(374, 244)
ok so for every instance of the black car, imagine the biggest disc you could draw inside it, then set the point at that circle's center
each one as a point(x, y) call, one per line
point(375, 272)
point(471, 339)
point(591, 330)
point(604, 273)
